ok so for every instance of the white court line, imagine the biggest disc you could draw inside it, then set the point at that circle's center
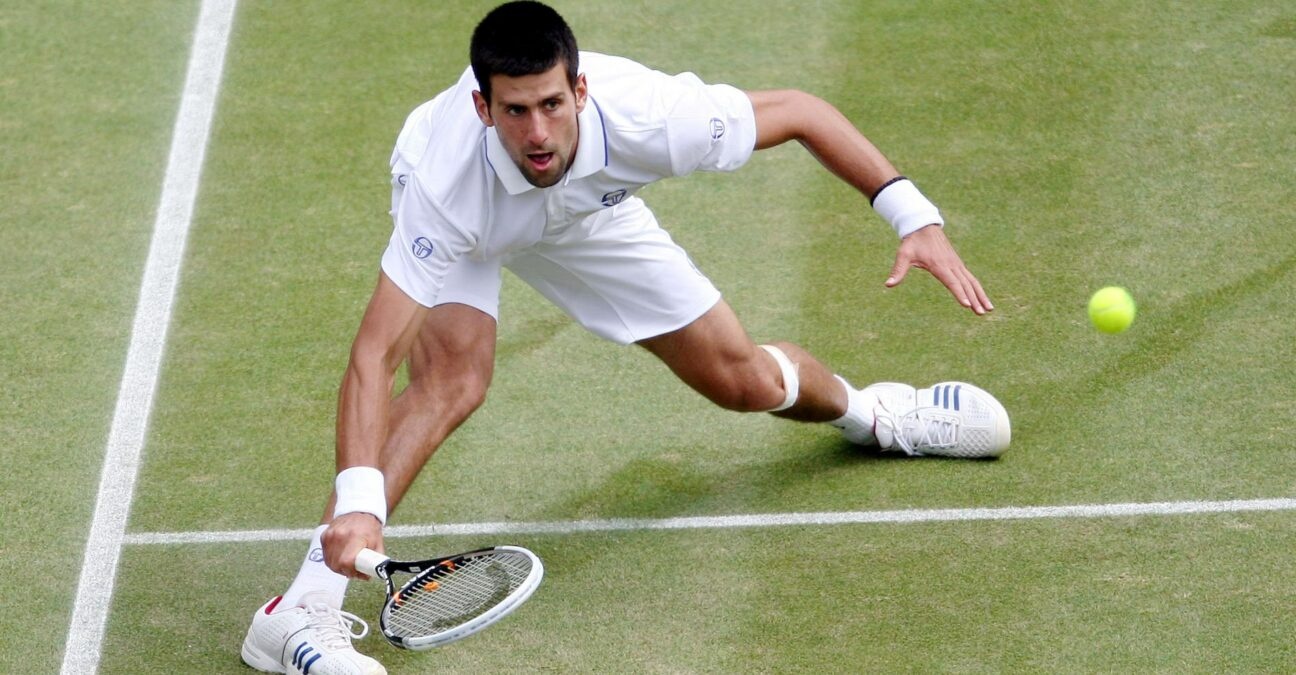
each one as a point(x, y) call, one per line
point(148, 338)
point(752, 520)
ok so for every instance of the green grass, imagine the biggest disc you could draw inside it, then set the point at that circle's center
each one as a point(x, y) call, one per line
point(1080, 596)
point(87, 99)
point(1071, 146)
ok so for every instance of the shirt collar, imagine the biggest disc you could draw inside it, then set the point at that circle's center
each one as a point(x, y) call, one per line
point(591, 152)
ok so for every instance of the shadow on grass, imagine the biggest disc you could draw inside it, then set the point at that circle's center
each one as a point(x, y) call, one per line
point(663, 487)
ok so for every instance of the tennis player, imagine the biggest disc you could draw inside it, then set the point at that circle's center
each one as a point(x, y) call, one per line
point(532, 161)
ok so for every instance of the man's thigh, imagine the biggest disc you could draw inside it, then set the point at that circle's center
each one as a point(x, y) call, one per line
point(456, 341)
point(458, 336)
point(715, 356)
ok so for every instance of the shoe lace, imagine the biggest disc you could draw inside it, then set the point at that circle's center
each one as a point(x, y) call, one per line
point(915, 431)
point(333, 627)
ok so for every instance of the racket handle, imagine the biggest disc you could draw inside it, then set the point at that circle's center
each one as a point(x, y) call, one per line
point(367, 561)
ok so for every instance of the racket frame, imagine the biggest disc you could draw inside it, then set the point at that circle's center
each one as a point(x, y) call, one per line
point(382, 567)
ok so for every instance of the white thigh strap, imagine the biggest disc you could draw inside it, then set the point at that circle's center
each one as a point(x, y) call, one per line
point(791, 383)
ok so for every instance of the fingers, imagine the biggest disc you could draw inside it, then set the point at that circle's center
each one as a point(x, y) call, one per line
point(966, 289)
point(964, 286)
point(344, 539)
point(929, 249)
point(980, 294)
point(899, 269)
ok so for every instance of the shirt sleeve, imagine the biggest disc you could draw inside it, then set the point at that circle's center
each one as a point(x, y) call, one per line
point(709, 127)
point(423, 244)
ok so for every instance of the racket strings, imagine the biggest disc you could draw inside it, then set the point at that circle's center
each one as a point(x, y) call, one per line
point(438, 600)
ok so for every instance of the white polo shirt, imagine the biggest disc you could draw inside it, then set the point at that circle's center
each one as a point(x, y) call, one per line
point(457, 193)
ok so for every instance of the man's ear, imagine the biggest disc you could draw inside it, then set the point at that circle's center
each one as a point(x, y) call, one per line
point(483, 109)
point(581, 90)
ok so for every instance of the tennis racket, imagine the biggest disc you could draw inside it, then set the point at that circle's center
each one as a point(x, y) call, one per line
point(450, 598)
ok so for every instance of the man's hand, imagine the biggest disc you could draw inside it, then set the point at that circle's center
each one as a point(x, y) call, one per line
point(344, 538)
point(929, 249)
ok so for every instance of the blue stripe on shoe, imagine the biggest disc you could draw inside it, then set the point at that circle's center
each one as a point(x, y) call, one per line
point(956, 396)
point(306, 666)
point(300, 653)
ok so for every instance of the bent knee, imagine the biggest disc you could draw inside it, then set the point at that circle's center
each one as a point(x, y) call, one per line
point(752, 389)
point(455, 389)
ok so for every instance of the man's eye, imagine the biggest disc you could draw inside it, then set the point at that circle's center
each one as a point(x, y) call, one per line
point(514, 110)
point(552, 105)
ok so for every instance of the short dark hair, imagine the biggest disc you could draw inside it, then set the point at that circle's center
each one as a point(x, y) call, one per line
point(521, 38)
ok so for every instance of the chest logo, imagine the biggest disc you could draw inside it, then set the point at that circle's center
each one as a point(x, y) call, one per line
point(614, 197)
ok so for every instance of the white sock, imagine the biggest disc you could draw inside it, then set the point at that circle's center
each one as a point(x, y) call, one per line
point(857, 424)
point(316, 579)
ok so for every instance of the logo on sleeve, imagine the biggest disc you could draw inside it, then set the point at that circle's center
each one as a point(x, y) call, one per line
point(422, 248)
point(316, 555)
point(717, 128)
point(614, 197)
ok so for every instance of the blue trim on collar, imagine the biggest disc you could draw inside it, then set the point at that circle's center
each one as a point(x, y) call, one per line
point(607, 154)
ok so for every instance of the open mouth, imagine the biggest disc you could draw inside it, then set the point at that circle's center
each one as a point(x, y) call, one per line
point(540, 160)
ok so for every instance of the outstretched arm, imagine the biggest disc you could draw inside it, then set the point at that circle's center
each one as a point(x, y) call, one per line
point(784, 115)
point(386, 332)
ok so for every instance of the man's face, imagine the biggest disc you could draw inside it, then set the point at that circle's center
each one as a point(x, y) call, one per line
point(535, 117)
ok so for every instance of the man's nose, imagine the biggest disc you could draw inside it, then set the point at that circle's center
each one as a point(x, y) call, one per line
point(537, 130)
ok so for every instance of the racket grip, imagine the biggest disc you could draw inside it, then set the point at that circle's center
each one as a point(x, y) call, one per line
point(367, 561)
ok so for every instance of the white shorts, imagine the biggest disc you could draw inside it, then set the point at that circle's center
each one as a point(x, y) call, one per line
point(625, 281)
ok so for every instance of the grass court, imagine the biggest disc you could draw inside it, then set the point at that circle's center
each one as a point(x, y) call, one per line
point(1070, 146)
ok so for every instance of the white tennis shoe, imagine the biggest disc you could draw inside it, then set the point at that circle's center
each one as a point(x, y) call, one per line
point(314, 640)
point(948, 419)
point(859, 427)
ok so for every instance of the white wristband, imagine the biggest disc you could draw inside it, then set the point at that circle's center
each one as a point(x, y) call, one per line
point(902, 205)
point(360, 490)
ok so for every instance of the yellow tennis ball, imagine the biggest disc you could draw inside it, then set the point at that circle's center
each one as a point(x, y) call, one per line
point(1112, 309)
